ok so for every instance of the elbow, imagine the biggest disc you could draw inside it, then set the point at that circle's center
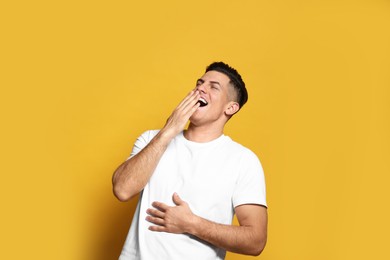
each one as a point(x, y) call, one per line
point(122, 197)
point(258, 247)
point(257, 251)
point(121, 194)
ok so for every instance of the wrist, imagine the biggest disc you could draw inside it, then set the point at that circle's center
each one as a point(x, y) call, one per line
point(167, 134)
point(194, 225)
point(162, 139)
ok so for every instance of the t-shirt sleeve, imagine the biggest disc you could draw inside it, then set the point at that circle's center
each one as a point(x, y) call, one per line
point(143, 141)
point(250, 186)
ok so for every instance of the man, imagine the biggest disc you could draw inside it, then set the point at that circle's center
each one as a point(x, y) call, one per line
point(191, 182)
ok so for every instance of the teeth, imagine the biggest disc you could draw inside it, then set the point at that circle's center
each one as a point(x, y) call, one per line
point(202, 102)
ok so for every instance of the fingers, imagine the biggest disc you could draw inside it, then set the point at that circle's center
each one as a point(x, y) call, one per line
point(176, 199)
point(155, 213)
point(194, 108)
point(180, 116)
point(156, 221)
point(187, 97)
point(172, 219)
point(191, 105)
point(156, 216)
point(160, 206)
point(157, 228)
point(189, 101)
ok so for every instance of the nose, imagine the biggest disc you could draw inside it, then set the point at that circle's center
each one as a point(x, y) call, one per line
point(201, 88)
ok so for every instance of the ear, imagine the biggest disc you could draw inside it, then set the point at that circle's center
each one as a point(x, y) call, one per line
point(232, 108)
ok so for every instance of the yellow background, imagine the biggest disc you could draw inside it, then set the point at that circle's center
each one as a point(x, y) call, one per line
point(80, 80)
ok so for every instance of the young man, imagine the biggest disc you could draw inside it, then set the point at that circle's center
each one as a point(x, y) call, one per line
point(191, 182)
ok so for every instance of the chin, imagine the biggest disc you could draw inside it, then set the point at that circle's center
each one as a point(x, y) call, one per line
point(196, 118)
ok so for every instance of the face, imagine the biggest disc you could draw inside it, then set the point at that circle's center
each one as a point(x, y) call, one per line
point(216, 98)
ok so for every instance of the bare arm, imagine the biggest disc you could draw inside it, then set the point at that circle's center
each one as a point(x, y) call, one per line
point(132, 175)
point(248, 238)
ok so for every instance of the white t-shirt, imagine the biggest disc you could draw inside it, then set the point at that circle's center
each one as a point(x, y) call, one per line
point(213, 178)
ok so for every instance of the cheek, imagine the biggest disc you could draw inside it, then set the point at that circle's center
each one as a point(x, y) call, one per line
point(219, 105)
point(221, 100)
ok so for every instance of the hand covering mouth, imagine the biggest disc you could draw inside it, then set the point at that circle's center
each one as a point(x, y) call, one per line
point(202, 102)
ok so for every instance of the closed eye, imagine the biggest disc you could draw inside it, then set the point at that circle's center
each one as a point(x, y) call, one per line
point(215, 85)
point(199, 82)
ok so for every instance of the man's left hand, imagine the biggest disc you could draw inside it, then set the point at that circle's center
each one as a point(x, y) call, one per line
point(176, 219)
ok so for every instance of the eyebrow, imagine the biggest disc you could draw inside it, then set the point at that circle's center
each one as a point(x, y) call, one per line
point(212, 82)
point(215, 82)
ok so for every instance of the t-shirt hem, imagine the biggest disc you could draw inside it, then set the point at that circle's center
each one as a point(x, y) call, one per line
point(254, 203)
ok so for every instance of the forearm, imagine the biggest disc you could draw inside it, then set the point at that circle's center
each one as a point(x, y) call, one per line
point(238, 239)
point(132, 175)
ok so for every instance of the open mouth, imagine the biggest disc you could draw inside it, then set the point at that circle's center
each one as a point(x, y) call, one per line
point(202, 102)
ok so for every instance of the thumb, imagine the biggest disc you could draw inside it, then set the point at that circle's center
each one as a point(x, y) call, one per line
point(176, 199)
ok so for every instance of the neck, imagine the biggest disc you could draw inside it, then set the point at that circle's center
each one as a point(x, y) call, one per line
point(202, 134)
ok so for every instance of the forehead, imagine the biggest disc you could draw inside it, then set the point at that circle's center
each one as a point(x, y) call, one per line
point(216, 76)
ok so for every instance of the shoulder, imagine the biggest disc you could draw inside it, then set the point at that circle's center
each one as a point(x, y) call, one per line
point(143, 140)
point(148, 135)
point(241, 150)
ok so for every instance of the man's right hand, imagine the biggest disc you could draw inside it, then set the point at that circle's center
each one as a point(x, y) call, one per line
point(182, 113)
point(132, 175)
